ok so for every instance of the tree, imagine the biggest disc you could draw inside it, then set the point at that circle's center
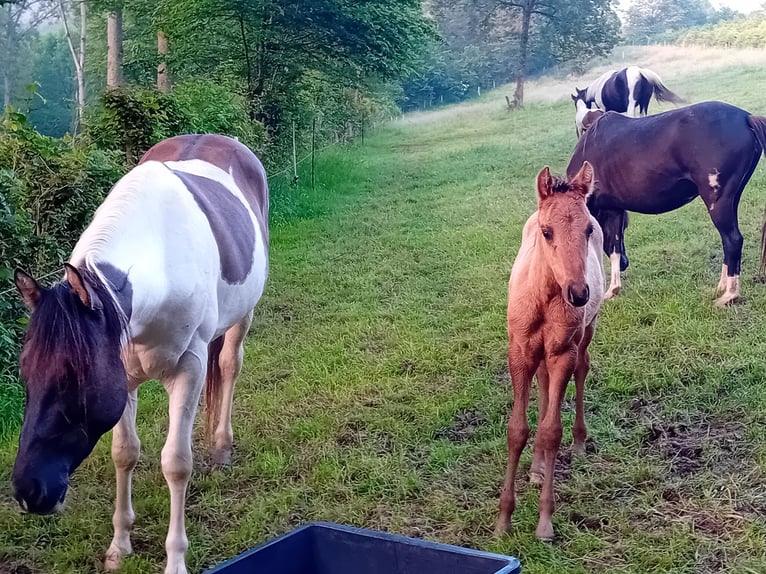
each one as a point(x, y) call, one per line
point(647, 18)
point(563, 21)
point(78, 57)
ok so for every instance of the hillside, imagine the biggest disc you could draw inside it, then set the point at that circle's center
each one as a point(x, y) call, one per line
point(375, 388)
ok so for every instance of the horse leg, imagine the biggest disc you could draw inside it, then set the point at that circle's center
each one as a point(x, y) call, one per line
point(125, 451)
point(538, 460)
point(721, 287)
point(521, 368)
point(560, 369)
point(722, 208)
point(230, 362)
point(579, 430)
point(184, 389)
point(613, 225)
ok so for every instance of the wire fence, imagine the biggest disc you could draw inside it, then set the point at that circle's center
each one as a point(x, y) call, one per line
point(292, 167)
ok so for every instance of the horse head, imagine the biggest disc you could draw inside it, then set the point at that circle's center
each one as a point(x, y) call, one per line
point(75, 383)
point(566, 227)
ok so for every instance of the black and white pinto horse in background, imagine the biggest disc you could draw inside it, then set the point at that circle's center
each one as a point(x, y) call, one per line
point(627, 91)
point(161, 285)
point(659, 163)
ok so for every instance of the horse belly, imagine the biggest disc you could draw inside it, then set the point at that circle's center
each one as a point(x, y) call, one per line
point(642, 196)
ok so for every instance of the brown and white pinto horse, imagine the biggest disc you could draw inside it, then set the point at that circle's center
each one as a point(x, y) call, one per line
point(161, 285)
point(659, 163)
point(554, 295)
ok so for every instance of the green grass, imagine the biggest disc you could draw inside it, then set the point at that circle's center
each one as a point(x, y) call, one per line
point(375, 390)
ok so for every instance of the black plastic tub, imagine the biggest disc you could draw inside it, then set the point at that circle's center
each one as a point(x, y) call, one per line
point(327, 548)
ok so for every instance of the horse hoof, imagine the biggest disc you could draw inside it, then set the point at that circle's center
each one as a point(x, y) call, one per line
point(544, 532)
point(502, 527)
point(112, 560)
point(725, 300)
point(221, 459)
point(578, 448)
point(612, 293)
point(536, 477)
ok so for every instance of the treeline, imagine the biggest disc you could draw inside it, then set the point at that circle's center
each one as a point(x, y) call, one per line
point(741, 33)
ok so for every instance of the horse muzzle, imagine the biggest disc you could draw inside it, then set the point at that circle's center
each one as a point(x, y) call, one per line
point(578, 297)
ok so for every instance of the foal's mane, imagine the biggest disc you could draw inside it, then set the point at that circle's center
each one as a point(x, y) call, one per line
point(62, 330)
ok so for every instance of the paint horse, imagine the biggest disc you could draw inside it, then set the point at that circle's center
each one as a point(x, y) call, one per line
point(161, 285)
point(554, 295)
point(627, 91)
point(659, 163)
point(584, 116)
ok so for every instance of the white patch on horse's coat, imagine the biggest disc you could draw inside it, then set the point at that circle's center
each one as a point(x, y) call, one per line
point(633, 76)
point(580, 112)
point(712, 180)
point(593, 91)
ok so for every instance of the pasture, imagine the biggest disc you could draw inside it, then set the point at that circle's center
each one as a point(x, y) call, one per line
point(375, 388)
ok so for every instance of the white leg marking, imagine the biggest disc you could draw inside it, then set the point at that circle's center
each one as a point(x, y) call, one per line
point(732, 292)
point(184, 391)
point(614, 284)
point(125, 451)
point(722, 281)
point(230, 361)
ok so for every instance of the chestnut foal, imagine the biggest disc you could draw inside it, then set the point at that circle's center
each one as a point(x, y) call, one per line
point(554, 294)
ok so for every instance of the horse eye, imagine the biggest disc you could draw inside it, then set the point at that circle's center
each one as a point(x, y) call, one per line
point(589, 231)
point(547, 233)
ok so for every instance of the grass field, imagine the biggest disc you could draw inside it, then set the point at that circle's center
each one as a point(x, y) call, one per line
point(375, 390)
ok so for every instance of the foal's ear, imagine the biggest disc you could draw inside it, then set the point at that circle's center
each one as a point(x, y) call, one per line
point(584, 179)
point(80, 287)
point(544, 184)
point(28, 288)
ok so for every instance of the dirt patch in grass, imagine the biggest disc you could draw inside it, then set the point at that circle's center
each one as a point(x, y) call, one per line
point(16, 567)
point(356, 433)
point(464, 426)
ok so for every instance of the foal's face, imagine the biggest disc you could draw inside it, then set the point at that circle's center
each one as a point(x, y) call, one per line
point(76, 391)
point(565, 230)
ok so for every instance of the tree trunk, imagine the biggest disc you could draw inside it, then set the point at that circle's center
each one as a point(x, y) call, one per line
point(80, 68)
point(163, 78)
point(521, 68)
point(6, 90)
point(114, 50)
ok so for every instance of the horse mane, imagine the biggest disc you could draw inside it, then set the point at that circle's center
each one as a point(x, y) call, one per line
point(61, 328)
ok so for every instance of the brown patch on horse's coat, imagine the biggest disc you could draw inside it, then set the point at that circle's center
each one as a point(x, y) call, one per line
point(230, 223)
point(230, 156)
point(590, 118)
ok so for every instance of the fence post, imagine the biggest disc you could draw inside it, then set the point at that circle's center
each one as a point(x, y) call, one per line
point(313, 147)
point(295, 159)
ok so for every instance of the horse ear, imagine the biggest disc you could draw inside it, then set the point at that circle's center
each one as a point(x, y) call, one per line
point(574, 97)
point(544, 184)
point(584, 178)
point(29, 289)
point(80, 287)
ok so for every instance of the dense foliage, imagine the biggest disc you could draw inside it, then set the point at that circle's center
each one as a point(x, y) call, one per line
point(647, 20)
point(741, 33)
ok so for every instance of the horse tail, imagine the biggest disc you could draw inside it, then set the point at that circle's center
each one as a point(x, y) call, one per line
point(758, 125)
point(213, 387)
point(661, 92)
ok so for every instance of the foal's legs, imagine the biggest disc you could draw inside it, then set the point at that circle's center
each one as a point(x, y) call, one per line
point(125, 451)
point(537, 468)
point(184, 389)
point(521, 366)
point(230, 362)
point(579, 431)
point(560, 369)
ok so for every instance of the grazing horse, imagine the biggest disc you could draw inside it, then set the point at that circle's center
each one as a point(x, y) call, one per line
point(161, 285)
point(627, 91)
point(584, 116)
point(554, 295)
point(659, 163)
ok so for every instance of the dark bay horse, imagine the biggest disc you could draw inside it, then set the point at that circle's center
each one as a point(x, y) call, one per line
point(161, 285)
point(627, 91)
point(659, 163)
point(554, 296)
